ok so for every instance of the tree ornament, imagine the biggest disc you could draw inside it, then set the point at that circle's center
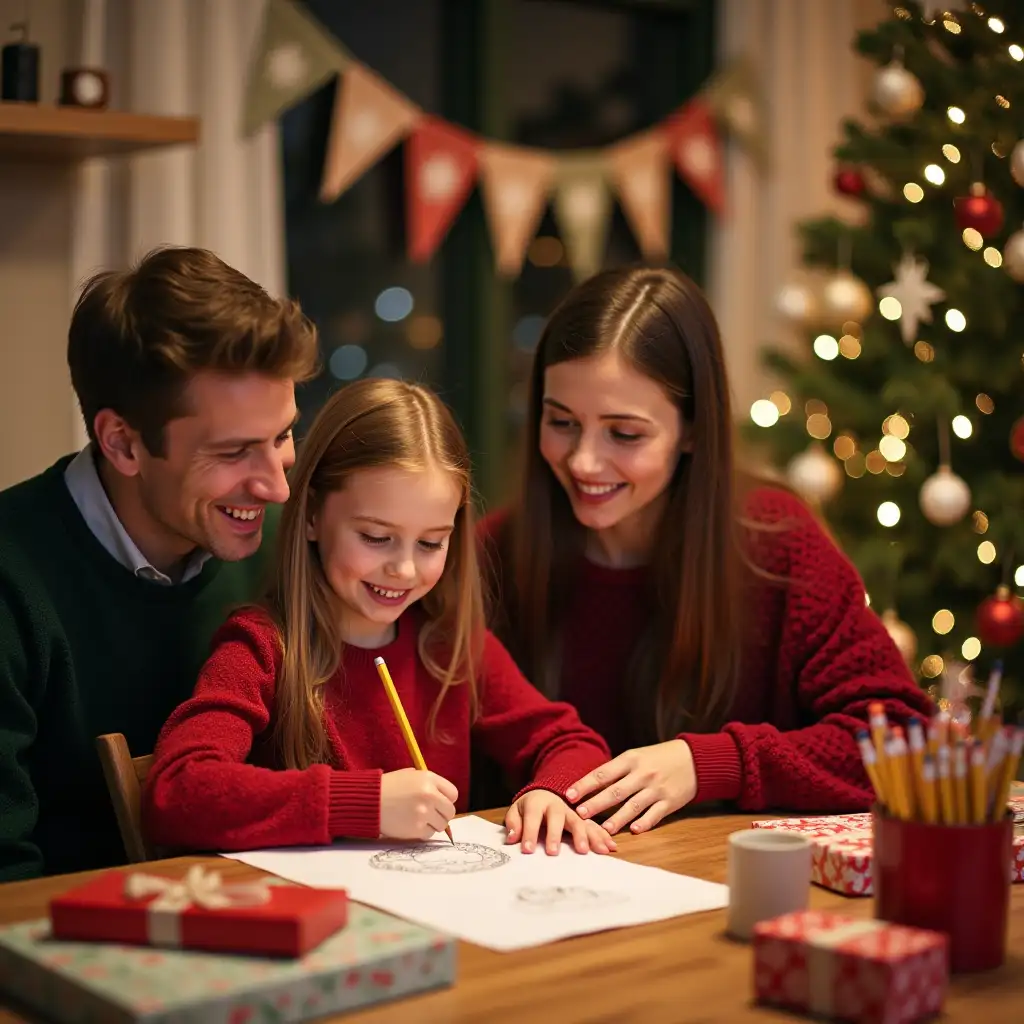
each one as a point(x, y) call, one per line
point(980, 210)
point(1000, 619)
point(1017, 439)
point(815, 475)
point(798, 303)
point(846, 297)
point(897, 91)
point(1013, 256)
point(945, 497)
point(915, 294)
point(901, 634)
point(848, 181)
point(1017, 163)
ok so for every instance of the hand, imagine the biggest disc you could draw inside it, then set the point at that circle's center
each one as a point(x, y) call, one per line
point(658, 779)
point(415, 804)
point(541, 806)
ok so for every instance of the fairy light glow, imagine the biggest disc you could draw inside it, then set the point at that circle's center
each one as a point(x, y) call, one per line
point(943, 621)
point(955, 320)
point(781, 402)
point(826, 347)
point(1016, 52)
point(962, 427)
point(892, 448)
point(897, 426)
point(951, 153)
point(935, 174)
point(890, 308)
point(996, 24)
point(971, 648)
point(764, 413)
point(913, 192)
point(956, 115)
point(992, 256)
point(986, 552)
point(888, 513)
point(972, 238)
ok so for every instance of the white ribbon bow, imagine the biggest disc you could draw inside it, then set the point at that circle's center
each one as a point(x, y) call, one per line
point(199, 887)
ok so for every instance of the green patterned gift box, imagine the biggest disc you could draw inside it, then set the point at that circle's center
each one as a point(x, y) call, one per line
point(373, 959)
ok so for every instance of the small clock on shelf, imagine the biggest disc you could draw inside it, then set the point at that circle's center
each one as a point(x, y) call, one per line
point(84, 87)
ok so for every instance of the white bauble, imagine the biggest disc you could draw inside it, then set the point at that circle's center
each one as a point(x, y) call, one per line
point(815, 475)
point(897, 91)
point(1013, 256)
point(945, 497)
point(902, 635)
point(1017, 163)
point(846, 297)
point(798, 303)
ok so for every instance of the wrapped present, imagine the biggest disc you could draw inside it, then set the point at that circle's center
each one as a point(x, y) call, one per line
point(841, 968)
point(375, 959)
point(199, 911)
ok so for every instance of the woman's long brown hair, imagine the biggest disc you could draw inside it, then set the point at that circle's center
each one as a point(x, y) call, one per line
point(685, 669)
point(369, 424)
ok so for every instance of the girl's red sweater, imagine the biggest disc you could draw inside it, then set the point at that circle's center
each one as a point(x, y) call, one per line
point(214, 784)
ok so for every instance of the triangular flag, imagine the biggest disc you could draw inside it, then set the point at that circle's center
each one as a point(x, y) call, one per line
point(733, 97)
point(440, 170)
point(583, 210)
point(515, 184)
point(369, 118)
point(295, 55)
point(640, 172)
point(697, 152)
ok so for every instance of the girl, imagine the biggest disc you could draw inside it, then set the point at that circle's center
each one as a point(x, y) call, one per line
point(707, 627)
point(289, 738)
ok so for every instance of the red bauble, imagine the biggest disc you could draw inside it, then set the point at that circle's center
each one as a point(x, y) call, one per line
point(980, 210)
point(849, 182)
point(1001, 619)
point(1017, 439)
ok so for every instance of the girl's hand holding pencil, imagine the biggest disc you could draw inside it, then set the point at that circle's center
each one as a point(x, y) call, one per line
point(415, 804)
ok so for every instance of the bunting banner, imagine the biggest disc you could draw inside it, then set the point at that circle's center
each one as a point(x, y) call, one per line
point(515, 183)
point(369, 118)
point(583, 210)
point(441, 169)
point(639, 169)
point(295, 55)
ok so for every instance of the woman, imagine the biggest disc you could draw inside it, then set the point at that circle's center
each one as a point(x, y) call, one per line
point(703, 623)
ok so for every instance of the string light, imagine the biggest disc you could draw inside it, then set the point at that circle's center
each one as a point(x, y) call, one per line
point(913, 192)
point(924, 351)
point(932, 666)
point(972, 238)
point(1016, 52)
point(996, 24)
point(971, 648)
point(1018, 576)
point(962, 427)
point(950, 24)
point(764, 413)
point(979, 521)
point(951, 153)
point(819, 426)
point(875, 462)
point(955, 320)
point(892, 448)
point(826, 347)
point(943, 621)
point(844, 447)
point(813, 405)
point(897, 426)
point(855, 466)
point(890, 308)
point(888, 513)
point(956, 115)
point(986, 552)
point(781, 402)
point(993, 257)
point(935, 174)
point(849, 346)
point(1005, 104)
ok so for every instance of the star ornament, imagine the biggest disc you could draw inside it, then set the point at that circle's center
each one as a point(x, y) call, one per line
point(914, 292)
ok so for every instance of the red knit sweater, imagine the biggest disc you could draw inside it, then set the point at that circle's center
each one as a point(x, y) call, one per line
point(816, 656)
point(214, 784)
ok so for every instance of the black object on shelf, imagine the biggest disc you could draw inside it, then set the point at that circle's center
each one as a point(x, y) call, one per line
point(19, 80)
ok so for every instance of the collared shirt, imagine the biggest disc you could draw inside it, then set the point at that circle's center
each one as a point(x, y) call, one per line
point(83, 481)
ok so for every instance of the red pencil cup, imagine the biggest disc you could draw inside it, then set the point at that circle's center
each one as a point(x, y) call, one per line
point(947, 878)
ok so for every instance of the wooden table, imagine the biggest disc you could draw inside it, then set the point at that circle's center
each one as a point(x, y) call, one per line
point(679, 971)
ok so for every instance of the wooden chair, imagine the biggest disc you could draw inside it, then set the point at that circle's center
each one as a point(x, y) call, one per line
point(125, 775)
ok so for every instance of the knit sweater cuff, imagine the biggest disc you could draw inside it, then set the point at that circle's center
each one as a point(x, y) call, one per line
point(353, 810)
point(555, 782)
point(717, 764)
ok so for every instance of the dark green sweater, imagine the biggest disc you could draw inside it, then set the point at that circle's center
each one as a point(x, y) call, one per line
point(86, 647)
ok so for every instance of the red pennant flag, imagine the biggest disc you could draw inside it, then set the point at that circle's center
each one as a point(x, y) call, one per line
point(697, 152)
point(440, 169)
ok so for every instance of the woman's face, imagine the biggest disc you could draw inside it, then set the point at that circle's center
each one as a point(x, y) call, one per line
point(611, 435)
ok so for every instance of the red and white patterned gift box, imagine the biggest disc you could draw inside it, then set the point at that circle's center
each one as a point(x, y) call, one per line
point(841, 968)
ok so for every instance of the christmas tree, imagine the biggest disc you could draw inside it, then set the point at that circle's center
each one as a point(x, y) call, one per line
point(911, 380)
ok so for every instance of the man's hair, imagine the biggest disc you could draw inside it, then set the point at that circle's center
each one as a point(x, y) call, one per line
point(138, 336)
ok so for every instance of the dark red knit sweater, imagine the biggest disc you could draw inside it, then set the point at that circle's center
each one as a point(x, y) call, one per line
point(814, 659)
point(213, 784)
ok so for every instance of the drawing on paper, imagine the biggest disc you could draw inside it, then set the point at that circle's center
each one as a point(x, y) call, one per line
point(439, 859)
point(549, 898)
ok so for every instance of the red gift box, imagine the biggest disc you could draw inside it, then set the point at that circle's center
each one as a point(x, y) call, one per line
point(842, 968)
point(199, 912)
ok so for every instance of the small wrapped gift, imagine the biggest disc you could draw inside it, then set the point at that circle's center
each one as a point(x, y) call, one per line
point(841, 968)
point(199, 911)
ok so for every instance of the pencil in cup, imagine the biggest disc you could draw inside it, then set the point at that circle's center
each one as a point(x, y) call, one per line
point(403, 723)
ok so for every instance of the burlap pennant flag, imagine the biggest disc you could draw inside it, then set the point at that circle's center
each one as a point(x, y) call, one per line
point(440, 171)
point(583, 207)
point(639, 170)
point(733, 97)
point(369, 118)
point(294, 56)
point(515, 183)
point(697, 151)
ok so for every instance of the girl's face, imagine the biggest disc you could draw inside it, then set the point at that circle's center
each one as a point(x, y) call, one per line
point(612, 437)
point(383, 541)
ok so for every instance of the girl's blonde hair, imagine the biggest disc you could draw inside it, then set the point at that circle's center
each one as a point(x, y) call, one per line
point(370, 424)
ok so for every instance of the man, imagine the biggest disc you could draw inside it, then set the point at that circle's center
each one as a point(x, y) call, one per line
point(117, 564)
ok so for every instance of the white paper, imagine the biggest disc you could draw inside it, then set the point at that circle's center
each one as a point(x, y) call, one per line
point(490, 893)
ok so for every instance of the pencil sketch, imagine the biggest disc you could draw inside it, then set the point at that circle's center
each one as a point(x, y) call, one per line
point(439, 858)
point(553, 898)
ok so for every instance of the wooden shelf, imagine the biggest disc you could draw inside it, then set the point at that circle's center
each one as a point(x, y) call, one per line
point(32, 131)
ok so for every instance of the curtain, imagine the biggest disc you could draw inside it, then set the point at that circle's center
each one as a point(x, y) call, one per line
point(179, 57)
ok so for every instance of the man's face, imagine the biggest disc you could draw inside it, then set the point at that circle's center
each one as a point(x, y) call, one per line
point(224, 461)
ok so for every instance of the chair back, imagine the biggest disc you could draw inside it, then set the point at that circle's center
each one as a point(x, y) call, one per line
point(125, 775)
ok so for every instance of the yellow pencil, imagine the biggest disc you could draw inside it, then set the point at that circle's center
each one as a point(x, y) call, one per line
point(938, 730)
point(879, 725)
point(929, 802)
point(997, 751)
point(867, 753)
point(915, 740)
point(945, 787)
point(988, 722)
point(403, 723)
point(960, 783)
point(1010, 766)
point(979, 793)
point(897, 777)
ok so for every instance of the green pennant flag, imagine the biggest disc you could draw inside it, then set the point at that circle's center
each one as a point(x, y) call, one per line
point(583, 208)
point(295, 55)
point(732, 95)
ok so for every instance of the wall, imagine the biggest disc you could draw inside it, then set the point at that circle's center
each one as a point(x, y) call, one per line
point(37, 421)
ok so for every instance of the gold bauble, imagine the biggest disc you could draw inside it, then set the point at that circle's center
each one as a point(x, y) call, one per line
point(945, 497)
point(1013, 256)
point(846, 297)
